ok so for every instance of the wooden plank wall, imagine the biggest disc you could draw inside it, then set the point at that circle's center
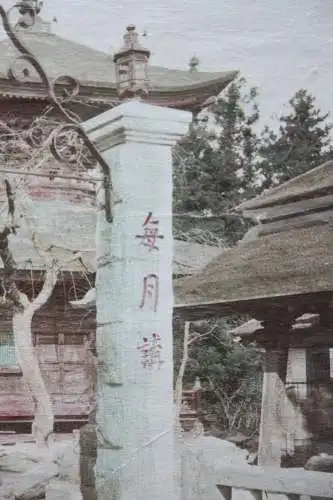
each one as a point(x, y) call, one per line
point(58, 335)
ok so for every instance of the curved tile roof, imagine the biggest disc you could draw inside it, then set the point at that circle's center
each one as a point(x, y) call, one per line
point(60, 56)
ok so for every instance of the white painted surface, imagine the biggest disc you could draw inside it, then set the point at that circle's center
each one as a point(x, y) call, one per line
point(135, 402)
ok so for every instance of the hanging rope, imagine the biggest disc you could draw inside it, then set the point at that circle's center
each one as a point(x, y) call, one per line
point(32, 284)
point(74, 285)
point(65, 290)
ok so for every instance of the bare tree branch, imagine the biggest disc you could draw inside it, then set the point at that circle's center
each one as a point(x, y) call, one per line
point(180, 376)
point(11, 295)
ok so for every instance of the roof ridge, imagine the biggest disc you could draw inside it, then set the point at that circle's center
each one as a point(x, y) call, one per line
point(59, 37)
point(280, 194)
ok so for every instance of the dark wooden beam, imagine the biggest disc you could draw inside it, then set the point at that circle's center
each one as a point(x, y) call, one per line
point(254, 307)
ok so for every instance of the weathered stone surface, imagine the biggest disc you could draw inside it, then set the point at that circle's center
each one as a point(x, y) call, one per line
point(60, 490)
point(322, 463)
point(135, 416)
point(28, 485)
point(16, 462)
point(202, 460)
point(69, 461)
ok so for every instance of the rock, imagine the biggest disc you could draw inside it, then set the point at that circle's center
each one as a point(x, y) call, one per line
point(238, 439)
point(322, 463)
point(203, 460)
point(22, 457)
point(28, 485)
point(252, 459)
point(16, 462)
point(69, 461)
point(59, 490)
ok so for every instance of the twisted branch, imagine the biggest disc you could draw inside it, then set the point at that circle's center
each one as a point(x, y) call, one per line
point(11, 296)
point(72, 124)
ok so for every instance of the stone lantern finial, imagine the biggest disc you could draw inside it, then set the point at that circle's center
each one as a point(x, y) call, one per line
point(194, 63)
point(30, 20)
point(28, 6)
point(197, 384)
point(131, 66)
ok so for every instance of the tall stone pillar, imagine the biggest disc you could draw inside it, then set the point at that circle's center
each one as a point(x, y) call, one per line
point(134, 300)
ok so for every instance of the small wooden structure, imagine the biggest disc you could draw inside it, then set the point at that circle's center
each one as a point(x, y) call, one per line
point(281, 275)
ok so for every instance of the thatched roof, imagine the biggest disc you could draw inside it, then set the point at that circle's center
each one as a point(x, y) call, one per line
point(315, 182)
point(287, 255)
point(283, 264)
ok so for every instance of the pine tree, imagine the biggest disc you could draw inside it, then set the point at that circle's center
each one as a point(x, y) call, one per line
point(302, 142)
point(213, 164)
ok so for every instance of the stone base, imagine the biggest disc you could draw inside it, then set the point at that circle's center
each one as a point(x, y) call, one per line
point(300, 457)
point(321, 464)
point(60, 490)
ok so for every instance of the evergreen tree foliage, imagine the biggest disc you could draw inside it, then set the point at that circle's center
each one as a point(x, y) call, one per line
point(230, 375)
point(215, 170)
point(213, 164)
point(212, 167)
point(301, 143)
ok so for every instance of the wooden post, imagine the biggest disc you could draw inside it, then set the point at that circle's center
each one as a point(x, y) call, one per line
point(273, 401)
point(134, 301)
point(297, 378)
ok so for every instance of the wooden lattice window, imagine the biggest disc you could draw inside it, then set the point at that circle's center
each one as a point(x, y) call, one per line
point(7, 349)
point(319, 365)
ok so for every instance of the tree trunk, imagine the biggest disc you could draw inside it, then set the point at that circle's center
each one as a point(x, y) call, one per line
point(88, 434)
point(43, 421)
point(180, 376)
point(22, 320)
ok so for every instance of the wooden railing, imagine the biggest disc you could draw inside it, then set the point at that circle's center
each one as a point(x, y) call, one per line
point(245, 483)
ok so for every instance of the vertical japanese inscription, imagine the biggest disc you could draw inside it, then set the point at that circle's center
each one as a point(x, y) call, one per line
point(150, 235)
point(150, 290)
point(151, 351)
point(150, 348)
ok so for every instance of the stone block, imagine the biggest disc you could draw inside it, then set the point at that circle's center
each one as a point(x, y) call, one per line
point(60, 490)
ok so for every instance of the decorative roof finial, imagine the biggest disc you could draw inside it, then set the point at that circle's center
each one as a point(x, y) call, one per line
point(131, 63)
point(30, 20)
point(194, 62)
point(30, 6)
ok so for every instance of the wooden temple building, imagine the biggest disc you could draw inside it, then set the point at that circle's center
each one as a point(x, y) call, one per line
point(64, 215)
point(280, 276)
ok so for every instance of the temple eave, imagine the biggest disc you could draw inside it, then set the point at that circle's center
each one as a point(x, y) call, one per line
point(189, 97)
point(252, 306)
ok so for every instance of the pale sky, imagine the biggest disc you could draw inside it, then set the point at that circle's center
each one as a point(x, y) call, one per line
point(278, 46)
